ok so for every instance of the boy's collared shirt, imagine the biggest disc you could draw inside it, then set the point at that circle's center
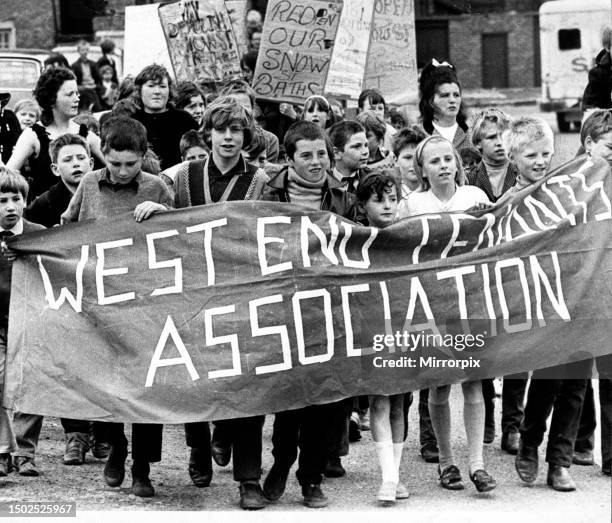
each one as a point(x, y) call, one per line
point(347, 183)
point(104, 180)
point(96, 197)
point(16, 229)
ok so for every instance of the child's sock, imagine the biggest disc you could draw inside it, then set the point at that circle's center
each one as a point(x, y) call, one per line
point(384, 451)
point(398, 448)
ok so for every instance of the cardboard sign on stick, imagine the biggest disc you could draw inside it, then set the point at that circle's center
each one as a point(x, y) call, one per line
point(296, 48)
point(391, 65)
point(348, 62)
point(201, 40)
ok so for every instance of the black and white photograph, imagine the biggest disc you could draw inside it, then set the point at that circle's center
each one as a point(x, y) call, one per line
point(312, 259)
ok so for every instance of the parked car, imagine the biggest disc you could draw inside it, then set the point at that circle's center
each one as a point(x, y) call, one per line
point(19, 72)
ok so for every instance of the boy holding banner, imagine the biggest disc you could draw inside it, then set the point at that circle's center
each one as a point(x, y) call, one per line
point(13, 195)
point(118, 188)
point(225, 176)
point(306, 183)
point(529, 142)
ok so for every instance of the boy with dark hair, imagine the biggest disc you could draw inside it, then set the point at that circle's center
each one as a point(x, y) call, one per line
point(305, 182)
point(13, 195)
point(404, 145)
point(596, 138)
point(351, 152)
point(193, 147)
point(70, 161)
point(120, 187)
point(224, 176)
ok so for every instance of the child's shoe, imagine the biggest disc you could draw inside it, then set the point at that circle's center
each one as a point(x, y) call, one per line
point(387, 493)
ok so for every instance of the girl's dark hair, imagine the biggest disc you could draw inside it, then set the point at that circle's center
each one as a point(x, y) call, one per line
point(375, 182)
point(184, 92)
point(153, 73)
point(46, 90)
point(374, 96)
point(433, 76)
point(321, 103)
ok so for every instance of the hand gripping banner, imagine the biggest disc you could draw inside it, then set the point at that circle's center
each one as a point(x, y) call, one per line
point(241, 308)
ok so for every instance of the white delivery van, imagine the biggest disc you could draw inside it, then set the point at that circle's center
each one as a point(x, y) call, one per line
point(570, 38)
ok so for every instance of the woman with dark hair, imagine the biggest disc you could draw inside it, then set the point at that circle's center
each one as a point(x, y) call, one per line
point(164, 124)
point(58, 96)
point(440, 104)
point(190, 99)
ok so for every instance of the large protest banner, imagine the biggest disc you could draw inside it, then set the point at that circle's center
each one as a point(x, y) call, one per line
point(296, 47)
point(201, 41)
point(391, 64)
point(242, 308)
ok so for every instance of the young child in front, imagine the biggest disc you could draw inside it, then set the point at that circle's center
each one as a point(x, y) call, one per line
point(377, 197)
point(118, 188)
point(13, 195)
point(438, 167)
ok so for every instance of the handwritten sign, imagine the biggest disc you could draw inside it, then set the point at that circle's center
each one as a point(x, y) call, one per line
point(201, 40)
point(237, 10)
point(391, 65)
point(296, 49)
point(348, 62)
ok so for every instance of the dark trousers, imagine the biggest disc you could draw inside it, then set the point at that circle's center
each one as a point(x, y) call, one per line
point(488, 394)
point(585, 440)
point(339, 422)
point(427, 437)
point(197, 435)
point(244, 435)
point(310, 430)
point(513, 400)
point(549, 391)
point(146, 440)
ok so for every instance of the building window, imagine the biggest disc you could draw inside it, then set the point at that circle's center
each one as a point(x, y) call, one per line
point(7, 35)
point(76, 18)
point(569, 39)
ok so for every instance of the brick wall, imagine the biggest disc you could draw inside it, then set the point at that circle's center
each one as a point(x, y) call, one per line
point(465, 43)
point(33, 21)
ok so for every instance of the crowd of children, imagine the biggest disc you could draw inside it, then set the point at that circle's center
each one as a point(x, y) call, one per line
point(363, 169)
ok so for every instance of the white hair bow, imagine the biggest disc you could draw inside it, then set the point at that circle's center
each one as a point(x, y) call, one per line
point(438, 64)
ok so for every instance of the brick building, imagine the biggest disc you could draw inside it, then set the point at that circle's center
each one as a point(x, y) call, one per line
point(493, 43)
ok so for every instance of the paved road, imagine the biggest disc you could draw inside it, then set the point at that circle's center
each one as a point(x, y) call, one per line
point(353, 495)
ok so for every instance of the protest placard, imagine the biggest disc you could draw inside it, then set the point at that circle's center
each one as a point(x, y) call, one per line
point(237, 10)
point(348, 62)
point(296, 48)
point(201, 40)
point(244, 308)
point(391, 65)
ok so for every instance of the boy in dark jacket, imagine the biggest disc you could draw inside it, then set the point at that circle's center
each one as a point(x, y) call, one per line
point(598, 92)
